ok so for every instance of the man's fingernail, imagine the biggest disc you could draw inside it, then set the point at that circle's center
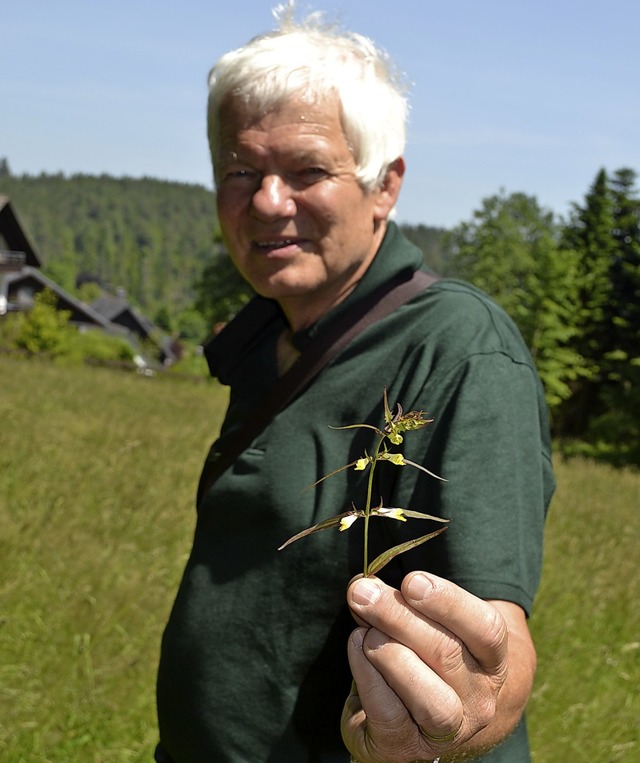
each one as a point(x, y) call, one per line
point(365, 591)
point(419, 587)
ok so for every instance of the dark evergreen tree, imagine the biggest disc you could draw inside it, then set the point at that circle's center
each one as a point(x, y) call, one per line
point(589, 233)
point(620, 422)
point(604, 410)
point(626, 266)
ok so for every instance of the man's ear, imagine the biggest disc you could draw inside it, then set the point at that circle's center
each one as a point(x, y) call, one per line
point(388, 192)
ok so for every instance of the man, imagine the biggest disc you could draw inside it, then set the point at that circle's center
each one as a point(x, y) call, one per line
point(306, 127)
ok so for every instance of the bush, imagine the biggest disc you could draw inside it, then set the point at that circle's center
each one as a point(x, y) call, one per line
point(44, 329)
point(97, 345)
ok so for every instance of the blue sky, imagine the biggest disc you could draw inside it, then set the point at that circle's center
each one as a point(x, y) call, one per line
point(515, 94)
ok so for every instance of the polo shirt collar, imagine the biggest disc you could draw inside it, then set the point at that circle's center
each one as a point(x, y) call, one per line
point(396, 253)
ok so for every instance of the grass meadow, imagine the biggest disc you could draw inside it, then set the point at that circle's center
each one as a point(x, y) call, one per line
point(97, 477)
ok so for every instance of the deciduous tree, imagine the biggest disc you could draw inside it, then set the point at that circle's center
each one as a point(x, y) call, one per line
point(511, 250)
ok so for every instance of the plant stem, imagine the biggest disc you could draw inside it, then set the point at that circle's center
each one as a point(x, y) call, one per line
point(367, 508)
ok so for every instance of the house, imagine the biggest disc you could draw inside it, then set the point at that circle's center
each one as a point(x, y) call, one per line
point(13, 240)
point(21, 278)
point(119, 311)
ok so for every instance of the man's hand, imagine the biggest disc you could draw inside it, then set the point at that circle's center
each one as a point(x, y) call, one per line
point(430, 664)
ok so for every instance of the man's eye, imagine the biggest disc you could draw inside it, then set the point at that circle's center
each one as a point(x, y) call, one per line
point(239, 174)
point(312, 174)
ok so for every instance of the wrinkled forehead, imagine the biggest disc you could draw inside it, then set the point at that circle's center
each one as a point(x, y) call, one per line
point(299, 114)
point(248, 108)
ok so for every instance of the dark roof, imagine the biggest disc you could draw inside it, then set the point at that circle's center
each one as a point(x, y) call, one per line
point(14, 234)
point(118, 310)
point(110, 306)
point(80, 312)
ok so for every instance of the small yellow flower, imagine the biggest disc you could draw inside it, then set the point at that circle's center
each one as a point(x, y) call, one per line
point(390, 513)
point(346, 522)
point(395, 458)
point(361, 464)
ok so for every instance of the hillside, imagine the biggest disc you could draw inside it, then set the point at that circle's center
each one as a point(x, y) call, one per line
point(151, 237)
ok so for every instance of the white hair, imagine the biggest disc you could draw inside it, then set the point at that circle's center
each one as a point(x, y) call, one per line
point(314, 60)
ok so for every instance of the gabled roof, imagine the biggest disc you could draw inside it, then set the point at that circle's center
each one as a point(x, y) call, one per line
point(14, 234)
point(80, 312)
point(109, 306)
point(118, 310)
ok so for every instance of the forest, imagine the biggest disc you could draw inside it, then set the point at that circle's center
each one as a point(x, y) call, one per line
point(571, 284)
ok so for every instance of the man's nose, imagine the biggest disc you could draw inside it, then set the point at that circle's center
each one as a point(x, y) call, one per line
point(274, 198)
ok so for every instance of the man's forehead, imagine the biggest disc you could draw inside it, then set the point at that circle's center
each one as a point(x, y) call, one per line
point(290, 127)
point(244, 112)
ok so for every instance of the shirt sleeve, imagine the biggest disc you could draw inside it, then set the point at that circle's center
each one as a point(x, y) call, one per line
point(488, 442)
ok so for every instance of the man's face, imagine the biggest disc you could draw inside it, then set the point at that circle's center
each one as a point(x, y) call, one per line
point(298, 225)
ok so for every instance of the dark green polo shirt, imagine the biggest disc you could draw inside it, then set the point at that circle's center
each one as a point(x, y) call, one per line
point(253, 665)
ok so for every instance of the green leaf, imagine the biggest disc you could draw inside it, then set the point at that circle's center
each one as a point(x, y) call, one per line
point(327, 524)
point(326, 476)
point(359, 426)
point(386, 556)
point(422, 468)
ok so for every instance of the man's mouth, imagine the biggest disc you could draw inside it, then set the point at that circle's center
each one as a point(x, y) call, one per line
point(276, 244)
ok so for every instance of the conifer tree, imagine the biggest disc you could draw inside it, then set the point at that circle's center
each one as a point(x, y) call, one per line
point(589, 233)
point(626, 266)
point(604, 409)
point(620, 422)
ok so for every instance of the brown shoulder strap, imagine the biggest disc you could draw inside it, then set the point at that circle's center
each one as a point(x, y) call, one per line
point(316, 356)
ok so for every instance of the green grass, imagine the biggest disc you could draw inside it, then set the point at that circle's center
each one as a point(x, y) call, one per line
point(97, 478)
point(586, 622)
